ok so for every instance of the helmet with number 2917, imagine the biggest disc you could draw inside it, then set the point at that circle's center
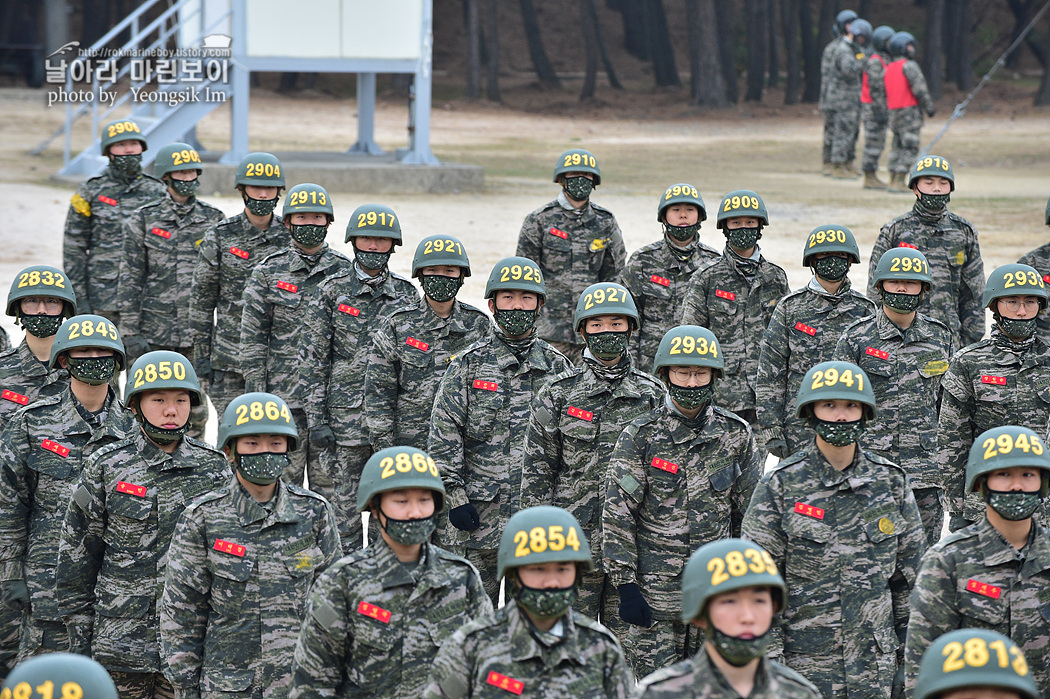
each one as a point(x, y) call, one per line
point(542, 534)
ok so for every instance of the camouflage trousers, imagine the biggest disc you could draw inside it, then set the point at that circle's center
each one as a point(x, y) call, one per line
point(572, 350)
point(485, 561)
point(931, 511)
point(841, 127)
point(306, 459)
point(829, 673)
point(10, 623)
point(662, 644)
point(199, 413)
point(142, 685)
point(337, 477)
point(37, 637)
point(906, 124)
point(223, 387)
point(876, 120)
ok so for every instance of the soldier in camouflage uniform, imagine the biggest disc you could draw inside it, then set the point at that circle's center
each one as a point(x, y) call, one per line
point(907, 97)
point(536, 645)
point(904, 353)
point(1040, 260)
point(73, 674)
point(842, 66)
point(161, 242)
point(734, 298)
point(479, 425)
point(241, 563)
point(94, 237)
point(228, 254)
point(576, 243)
point(335, 349)
point(1002, 380)
point(576, 420)
point(275, 300)
point(842, 21)
point(873, 107)
point(987, 665)
point(658, 274)
point(413, 346)
point(994, 574)
point(42, 451)
point(842, 525)
point(679, 477)
point(376, 618)
point(804, 330)
point(733, 592)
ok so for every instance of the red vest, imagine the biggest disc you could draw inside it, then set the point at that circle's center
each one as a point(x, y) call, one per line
point(865, 91)
point(898, 89)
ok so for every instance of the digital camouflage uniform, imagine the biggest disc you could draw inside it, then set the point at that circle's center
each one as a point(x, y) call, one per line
point(673, 485)
point(1039, 259)
point(339, 322)
point(804, 330)
point(43, 450)
point(698, 678)
point(227, 256)
point(974, 579)
point(574, 249)
point(842, 66)
point(950, 244)
point(373, 625)
point(478, 431)
point(874, 113)
point(5, 340)
point(94, 237)
point(503, 654)
point(906, 122)
point(114, 546)
point(848, 544)
point(659, 280)
point(238, 577)
point(905, 369)
point(24, 379)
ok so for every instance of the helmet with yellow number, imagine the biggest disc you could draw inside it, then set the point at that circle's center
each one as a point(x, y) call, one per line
point(516, 274)
point(831, 238)
point(396, 468)
point(968, 658)
point(1014, 280)
point(681, 193)
point(742, 202)
point(440, 250)
point(161, 370)
point(41, 281)
point(257, 413)
point(87, 331)
point(1006, 447)
point(260, 170)
point(835, 381)
point(174, 157)
point(61, 675)
point(539, 535)
point(903, 263)
point(578, 160)
point(308, 198)
point(121, 130)
point(724, 566)
point(605, 298)
point(689, 345)
point(931, 165)
point(373, 221)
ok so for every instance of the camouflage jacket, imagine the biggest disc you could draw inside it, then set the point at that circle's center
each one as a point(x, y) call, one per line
point(804, 330)
point(227, 256)
point(672, 487)
point(275, 301)
point(985, 387)
point(336, 348)
point(1040, 260)
point(479, 427)
point(574, 249)
point(848, 544)
point(576, 420)
point(94, 237)
point(905, 368)
point(161, 242)
point(500, 654)
point(238, 576)
point(950, 244)
point(737, 308)
point(43, 450)
point(24, 379)
point(973, 578)
point(841, 69)
point(658, 281)
point(875, 69)
point(698, 678)
point(373, 626)
point(410, 351)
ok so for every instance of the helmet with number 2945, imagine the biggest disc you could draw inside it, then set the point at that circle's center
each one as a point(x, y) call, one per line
point(1006, 447)
point(544, 534)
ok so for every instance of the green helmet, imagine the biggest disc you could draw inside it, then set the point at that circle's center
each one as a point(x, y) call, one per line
point(932, 165)
point(156, 371)
point(519, 273)
point(41, 280)
point(257, 413)
point(87, 331)
point(689, 345)
point(903, 263)
point(604, 298)
point(395, 468)
point(741, 202)
point(967, 658)
point(1005, 447)
point(578, 160)
point(832, 237)
point(1014, 280)
point(121, 130)
point(375, 221)
point(735, 564)
point(176, 156)
point(261, 170)
point(836, 381)
point(543, 534)
point(681, 193)
point(437, 250)
point(308, 198)
point(67, 674)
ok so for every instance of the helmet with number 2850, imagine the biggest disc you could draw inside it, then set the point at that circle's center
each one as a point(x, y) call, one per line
point(161, 370)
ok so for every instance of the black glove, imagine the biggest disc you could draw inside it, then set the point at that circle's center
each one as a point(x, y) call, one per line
point(204, 371)
point(930, 112)
point(633, 607)
point(956, 522)
point(464, 517)
point(135, 345)
point(15, 595)
point(322, 437)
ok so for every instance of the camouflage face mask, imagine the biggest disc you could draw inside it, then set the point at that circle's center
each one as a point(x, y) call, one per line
point(682, 233)
point(839, 434)
point(743, 238)
point(904, 303)
point(309, 235)
point(440, 288)
point(547, 604)
point(832, 268)
point(260, 207)
point(934, 202)
point(126, 164)
point(1017, 329)
point(162, 435)
point(93, 371)
point(371, 260)
point(691, 397)
point(409, 532)
point(185, 188)
point(42, 326)
point(261, 469)
point(578, 188)
point(607, 345)
point(738, 652)
point(1013, 506)
point(516, 322)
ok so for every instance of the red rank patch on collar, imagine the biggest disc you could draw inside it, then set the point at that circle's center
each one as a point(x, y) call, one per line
point(107, 200)
point(656, 279)
point(873, 352)
point(729, 295)
point(229, 547)
point(664, 465)
point(54, 446)
point(983, 589)
point(287, 286)
point(1046, 278)
point(349, 310)
point(486, 385)
point(237, 252)
point(994, 380)
point(907, 245)
point(161, 232)
point(805, 328)
point(14, 397)
point(373, 612)
point(559, 233)
point(418, 344)
point(808, 510)
point(506, 683)
point(580, 413)
point(138, 491)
